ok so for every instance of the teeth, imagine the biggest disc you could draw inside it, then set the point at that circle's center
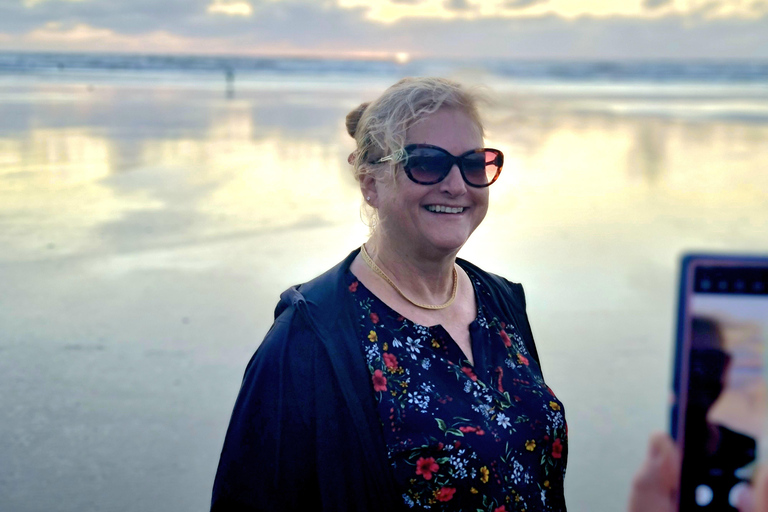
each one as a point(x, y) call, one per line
point(444, 209)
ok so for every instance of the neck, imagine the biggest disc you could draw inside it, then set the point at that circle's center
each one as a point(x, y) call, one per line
point(426, 278)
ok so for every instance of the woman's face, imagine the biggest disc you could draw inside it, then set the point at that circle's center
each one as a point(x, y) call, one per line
point(406, 209)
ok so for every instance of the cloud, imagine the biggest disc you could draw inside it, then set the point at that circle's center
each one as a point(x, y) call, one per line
point(759, 8)
point(457, 5)
point(231, 8)
point(56, 32)
point(304, 26)
point(32, 3)
point(82, 37)
point(655, 4)
point(522, 4)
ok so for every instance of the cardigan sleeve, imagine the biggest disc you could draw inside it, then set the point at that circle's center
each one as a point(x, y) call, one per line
point(267, 462)
point(521, 312)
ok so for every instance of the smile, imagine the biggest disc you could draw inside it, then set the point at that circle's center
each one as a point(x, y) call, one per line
point(444, 209)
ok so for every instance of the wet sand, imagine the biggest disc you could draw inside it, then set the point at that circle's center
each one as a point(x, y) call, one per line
point(147, 231)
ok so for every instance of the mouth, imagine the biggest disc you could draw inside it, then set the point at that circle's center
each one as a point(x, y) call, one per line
point(445, 209)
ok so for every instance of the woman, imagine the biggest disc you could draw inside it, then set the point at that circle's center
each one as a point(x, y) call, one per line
point(403, 377)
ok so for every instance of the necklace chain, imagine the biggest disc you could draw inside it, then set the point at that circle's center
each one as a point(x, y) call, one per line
point(386, 278)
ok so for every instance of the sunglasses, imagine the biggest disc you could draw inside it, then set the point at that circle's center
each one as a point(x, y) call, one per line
point(426, 164)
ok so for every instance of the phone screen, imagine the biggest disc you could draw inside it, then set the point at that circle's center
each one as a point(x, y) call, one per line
point(720, 377)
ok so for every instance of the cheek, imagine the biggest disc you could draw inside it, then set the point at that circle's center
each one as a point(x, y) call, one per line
point(482, 199)
point(481, 207)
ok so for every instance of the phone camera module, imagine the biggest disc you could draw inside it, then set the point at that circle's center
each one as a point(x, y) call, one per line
point(703, 495)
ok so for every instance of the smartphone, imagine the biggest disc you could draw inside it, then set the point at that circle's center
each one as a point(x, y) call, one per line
point(719, 401)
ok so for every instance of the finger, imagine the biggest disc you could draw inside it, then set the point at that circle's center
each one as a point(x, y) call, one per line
point(745, 500)
point(760, 490)
point(654, 488)
point(664, 460)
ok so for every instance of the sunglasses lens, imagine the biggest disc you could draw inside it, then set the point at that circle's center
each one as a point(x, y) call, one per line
point(481, 168)
point(428, 165)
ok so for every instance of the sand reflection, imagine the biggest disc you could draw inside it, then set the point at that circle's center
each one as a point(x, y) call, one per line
point(159, 221)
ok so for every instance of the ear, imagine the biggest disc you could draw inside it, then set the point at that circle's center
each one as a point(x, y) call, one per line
point(368, 187)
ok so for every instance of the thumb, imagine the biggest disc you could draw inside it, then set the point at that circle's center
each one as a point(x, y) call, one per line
point(655, 486)
point(760, 489)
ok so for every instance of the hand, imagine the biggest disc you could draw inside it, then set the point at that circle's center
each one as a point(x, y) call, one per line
point(757, 499)
point(655, 486)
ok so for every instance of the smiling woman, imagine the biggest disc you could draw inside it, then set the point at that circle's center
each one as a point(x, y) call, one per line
point(402, 377)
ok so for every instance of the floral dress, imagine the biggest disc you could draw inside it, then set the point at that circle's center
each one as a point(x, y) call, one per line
point(489, 437)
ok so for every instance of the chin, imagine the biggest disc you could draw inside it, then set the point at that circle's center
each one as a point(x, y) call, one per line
point(447, 246)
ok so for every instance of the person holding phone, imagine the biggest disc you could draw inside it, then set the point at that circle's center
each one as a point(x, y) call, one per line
point(404, 377)
point(656, 485)
point(719, 389)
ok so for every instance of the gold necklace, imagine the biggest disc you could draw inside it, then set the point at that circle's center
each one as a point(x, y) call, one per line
point(384, 276)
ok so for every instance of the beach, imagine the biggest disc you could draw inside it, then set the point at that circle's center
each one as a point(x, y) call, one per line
point(150, 219)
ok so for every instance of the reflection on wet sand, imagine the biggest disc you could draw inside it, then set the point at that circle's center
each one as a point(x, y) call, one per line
point(157, 220)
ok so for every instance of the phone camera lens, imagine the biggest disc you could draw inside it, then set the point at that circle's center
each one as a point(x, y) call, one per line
point(703, 495)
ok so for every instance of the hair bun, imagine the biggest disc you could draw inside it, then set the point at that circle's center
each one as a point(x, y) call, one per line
point(353, 118)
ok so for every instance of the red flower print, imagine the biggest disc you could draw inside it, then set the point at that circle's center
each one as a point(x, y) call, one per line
point(503, 325)
point(353, 287)
point(425, 467)
point(467, 430)
point(557, 449)
point(500, 371)
point(505, 338)
point(391, 361)
point(445, 494)
point(379, 381)
point(502, 508)
point(374, 318)
point(522, 359)
point(468, 371)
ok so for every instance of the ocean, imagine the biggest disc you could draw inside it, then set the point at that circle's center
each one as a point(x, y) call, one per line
point(152, 209)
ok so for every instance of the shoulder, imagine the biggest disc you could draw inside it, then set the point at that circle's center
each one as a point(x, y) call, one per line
point(304, 317)
point(509, 298)
point(498, 286)
point(324, 291)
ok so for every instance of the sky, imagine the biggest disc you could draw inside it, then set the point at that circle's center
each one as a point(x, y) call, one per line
point(394, 29)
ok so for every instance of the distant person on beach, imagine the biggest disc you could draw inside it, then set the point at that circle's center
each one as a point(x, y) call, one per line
point(404, 377)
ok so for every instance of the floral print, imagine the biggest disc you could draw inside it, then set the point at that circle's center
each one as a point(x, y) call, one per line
point(484, 437)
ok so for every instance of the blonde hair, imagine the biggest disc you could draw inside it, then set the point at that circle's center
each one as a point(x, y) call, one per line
point(379, 127)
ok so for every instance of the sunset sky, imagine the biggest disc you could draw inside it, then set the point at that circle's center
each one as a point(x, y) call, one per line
point(602, 29)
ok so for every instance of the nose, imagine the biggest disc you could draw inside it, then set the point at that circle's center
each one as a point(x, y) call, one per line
point(453, 184)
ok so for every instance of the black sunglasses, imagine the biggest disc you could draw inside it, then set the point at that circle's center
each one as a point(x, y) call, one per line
point(427, 164)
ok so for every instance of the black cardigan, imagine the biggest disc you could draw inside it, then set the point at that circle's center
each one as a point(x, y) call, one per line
point(305, 433)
